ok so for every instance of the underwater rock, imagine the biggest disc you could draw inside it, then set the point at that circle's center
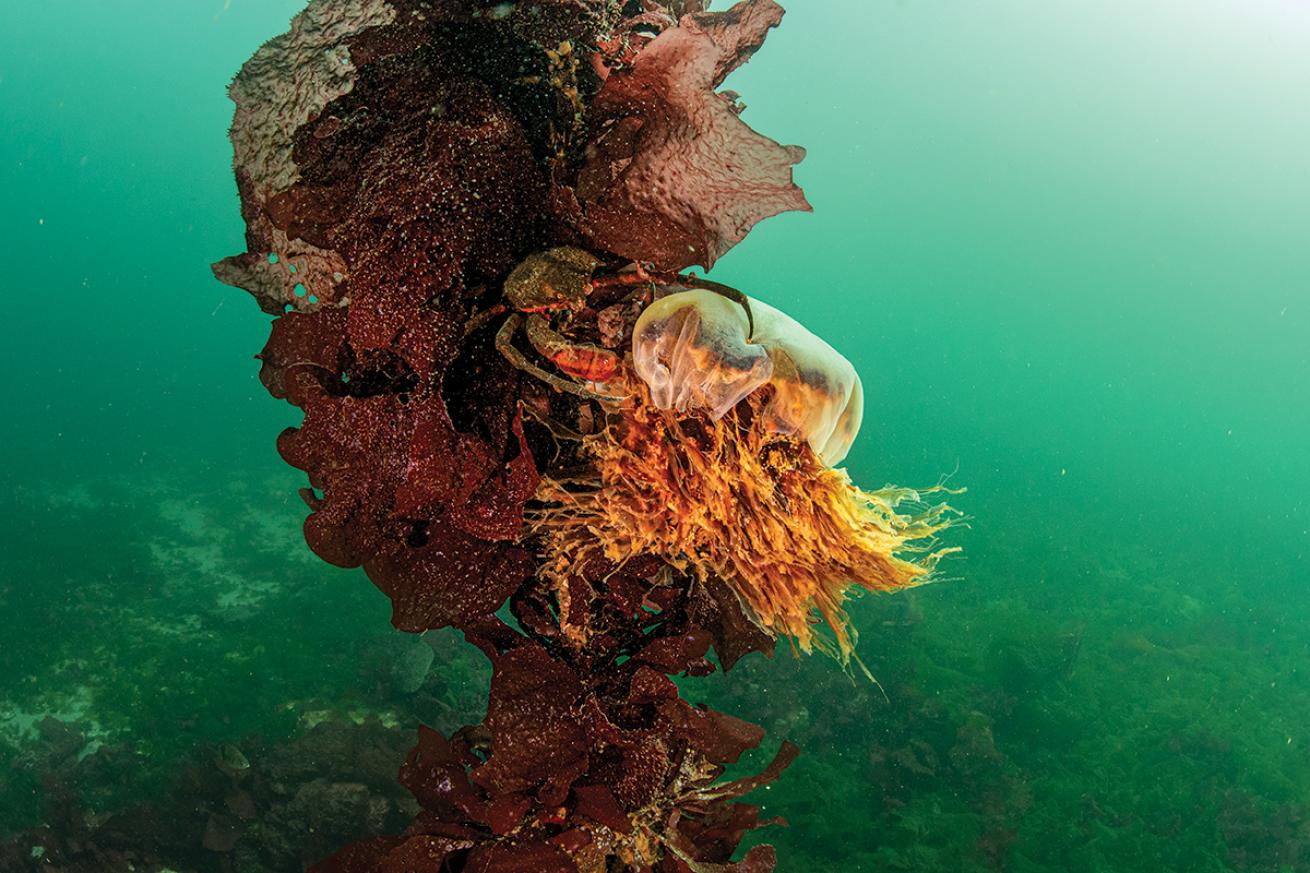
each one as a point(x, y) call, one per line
point(221, 833)
point(59, 742)
point(232, 761)
point(411, 666)
point(975, 748)
point(298, 800)
point(1031, 657)
point(1261, 836)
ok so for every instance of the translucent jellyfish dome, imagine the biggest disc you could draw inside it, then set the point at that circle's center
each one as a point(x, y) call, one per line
point(698, 349)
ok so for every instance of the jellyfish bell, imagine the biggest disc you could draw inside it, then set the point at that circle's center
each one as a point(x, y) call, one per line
point(818, 395)
point(698, 349)
point(692, 351)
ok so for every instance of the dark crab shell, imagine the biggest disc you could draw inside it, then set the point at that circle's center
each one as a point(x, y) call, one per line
point(558, 278)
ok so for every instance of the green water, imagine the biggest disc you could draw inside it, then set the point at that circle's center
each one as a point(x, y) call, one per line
point(1066, 244)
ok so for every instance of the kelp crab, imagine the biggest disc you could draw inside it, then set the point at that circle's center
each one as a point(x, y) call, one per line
point(403, 165)
point(562, 281)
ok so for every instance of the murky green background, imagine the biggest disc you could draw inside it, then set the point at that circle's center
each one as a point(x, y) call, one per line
point(1067, 244)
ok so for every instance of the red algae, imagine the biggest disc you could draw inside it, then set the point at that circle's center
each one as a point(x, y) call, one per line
point(396, 159)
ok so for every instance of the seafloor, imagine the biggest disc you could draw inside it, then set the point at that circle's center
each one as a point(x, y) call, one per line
point(191, 689)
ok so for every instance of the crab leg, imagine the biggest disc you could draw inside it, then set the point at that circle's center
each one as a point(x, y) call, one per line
point(505, 344)
point(641, 275)
point(729, 292)
point(477, 320)
point(585, 361)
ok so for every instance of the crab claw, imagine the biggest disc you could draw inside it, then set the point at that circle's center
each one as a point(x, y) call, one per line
point(584, 361)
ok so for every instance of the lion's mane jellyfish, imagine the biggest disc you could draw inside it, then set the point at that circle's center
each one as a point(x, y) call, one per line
point(457, 213)
point(760, 409)
point(696, 349)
